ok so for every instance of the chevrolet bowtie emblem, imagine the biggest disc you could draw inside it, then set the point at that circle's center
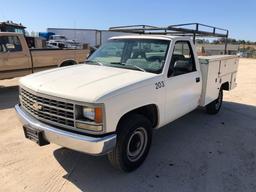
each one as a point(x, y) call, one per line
point(37, 107)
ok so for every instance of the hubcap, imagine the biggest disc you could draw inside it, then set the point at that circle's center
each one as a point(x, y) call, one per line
point(137, 144)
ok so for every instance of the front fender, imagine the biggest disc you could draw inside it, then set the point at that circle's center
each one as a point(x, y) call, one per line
point(116, 107)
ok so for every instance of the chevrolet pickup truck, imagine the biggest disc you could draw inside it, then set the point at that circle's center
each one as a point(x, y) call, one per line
point(128, 87)
point(16, 59)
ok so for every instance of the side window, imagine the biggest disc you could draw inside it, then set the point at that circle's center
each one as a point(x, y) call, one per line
point(13, 44)
point(10, 43)
point(182, 61)
point(2, 45)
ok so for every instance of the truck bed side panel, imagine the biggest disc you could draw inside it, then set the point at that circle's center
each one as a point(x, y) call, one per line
point(52, 58)
point(217, 70)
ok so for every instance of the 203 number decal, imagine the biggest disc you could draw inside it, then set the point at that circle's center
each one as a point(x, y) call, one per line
point(159, 84)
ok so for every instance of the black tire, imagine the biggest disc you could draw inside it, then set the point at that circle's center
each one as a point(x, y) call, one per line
point(68, 63)
point(214, 107)
point(131, 149)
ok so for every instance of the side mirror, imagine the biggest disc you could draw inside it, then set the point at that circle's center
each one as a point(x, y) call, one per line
point(91, 51)
point(183, 65)
point(170, 72)
point(180, 67)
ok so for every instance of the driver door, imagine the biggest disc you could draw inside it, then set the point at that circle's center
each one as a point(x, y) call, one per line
point(14, 60)
point(183, 86)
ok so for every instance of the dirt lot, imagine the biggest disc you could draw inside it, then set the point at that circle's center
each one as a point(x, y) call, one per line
point(198, 152)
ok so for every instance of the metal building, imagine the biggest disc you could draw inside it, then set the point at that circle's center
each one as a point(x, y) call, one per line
point(93, 37)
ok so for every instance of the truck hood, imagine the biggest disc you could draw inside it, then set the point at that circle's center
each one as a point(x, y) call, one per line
point(86, 83)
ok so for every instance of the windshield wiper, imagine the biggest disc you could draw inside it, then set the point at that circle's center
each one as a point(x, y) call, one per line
point(94, 62)
point(137, 67)
point(117, 63)
point(125, 64)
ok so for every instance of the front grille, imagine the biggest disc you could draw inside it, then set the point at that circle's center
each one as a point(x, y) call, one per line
point(48, 109)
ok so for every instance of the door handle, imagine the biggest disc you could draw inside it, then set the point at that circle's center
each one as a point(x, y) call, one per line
point(197, 79)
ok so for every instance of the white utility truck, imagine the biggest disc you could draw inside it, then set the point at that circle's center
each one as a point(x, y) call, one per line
point(128, 87)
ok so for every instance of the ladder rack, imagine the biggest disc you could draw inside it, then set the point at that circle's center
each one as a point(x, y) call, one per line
point(188, 29)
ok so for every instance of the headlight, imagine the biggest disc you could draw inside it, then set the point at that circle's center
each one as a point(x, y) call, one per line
point(89, 118)
point(93, 114)
point(89, 113)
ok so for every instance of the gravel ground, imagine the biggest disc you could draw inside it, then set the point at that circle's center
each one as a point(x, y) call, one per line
point(198, 152)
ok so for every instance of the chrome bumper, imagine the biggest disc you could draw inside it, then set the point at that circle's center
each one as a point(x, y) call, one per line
point(82, 143)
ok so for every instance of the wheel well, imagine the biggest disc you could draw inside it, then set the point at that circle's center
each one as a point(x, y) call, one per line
point(67, 63)
point(225, 86)
point(149, 111)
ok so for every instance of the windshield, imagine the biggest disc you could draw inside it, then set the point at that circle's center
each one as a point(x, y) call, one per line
point(146, 55)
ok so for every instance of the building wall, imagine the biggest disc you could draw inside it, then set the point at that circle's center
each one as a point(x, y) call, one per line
point(92, 37)
point(81, 36)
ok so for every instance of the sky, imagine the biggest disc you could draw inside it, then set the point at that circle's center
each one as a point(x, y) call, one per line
point(237, 16)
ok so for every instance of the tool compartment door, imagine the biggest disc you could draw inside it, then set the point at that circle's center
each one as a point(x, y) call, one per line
point(228, 65)
point(210, 87)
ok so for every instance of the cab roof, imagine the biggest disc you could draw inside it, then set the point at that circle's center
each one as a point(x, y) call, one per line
point(147, 36)
point(9, 33)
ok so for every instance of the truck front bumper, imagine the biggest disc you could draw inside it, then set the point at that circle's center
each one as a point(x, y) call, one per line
point(78, 142)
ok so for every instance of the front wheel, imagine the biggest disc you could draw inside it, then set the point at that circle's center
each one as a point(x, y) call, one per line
point(214, 107)
point(133, 142)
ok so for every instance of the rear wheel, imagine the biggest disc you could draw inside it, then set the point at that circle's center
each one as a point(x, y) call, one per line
point(133, 143)
point(67, 63)
point(214, 107)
